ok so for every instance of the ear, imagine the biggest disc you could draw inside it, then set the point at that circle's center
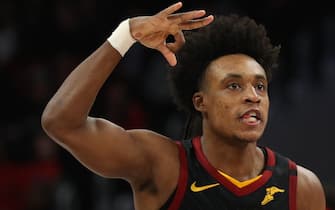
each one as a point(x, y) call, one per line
point(198, 101)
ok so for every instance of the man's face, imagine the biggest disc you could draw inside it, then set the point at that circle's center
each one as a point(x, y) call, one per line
point(234, 98)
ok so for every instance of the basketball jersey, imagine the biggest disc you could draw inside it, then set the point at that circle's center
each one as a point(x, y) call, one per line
point(202, 187)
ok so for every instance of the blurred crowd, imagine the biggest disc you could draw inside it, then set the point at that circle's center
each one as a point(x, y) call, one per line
point(42, 41)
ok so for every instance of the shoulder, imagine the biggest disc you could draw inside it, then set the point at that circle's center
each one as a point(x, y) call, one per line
point(153, 141)
point(310, 193)
point(161, 151)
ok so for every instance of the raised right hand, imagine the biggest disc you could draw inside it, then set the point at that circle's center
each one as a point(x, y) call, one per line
point(152, 31)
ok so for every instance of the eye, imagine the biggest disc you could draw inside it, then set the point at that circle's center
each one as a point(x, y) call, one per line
point(234, 86)
point(260, 86)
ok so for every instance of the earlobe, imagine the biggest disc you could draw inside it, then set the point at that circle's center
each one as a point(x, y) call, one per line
point(198, 102)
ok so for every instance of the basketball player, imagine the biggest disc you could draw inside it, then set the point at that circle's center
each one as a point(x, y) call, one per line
point(220, 74)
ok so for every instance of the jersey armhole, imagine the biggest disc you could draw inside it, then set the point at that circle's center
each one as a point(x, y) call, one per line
point(292, 185)
point(182, 181)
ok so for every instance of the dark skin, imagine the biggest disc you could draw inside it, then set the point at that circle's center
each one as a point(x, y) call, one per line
point(234, 86)
point(229, 144)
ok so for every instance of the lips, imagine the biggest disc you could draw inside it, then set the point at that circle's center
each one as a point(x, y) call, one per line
point(251, 117)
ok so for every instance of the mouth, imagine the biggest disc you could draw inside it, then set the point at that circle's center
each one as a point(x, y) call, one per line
point(251, 117)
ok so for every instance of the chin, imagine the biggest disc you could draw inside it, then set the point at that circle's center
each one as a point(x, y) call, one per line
point(249, 137)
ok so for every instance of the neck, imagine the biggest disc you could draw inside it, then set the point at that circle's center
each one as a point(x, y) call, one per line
point(238, 159)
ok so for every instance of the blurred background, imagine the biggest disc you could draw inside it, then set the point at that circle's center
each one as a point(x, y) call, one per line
point(42, 41)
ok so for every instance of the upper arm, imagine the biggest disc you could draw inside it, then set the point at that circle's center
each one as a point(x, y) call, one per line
point(111, 151)
point(310, 193)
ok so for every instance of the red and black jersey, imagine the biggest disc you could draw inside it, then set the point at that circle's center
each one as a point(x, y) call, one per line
point(203, 187)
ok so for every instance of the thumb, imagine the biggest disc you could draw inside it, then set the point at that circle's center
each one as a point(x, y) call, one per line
point(168, 55)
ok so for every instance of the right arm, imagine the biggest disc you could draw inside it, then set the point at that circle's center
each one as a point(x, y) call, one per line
point(310, 192)
point(100, 145)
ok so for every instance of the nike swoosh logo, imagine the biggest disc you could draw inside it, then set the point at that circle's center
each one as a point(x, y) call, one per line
point(195, 188)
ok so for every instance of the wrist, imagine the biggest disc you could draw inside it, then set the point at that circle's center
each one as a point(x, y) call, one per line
point(121, 38)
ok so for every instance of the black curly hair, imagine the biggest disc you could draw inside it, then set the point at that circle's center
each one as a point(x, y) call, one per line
point(228, 34)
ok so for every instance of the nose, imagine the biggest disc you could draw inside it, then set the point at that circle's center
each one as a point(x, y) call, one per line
point(251, 95)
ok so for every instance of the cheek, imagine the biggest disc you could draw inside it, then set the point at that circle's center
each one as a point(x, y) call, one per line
point(221, 110)
point(267, 100)
point(266, 105)
point(219, 107)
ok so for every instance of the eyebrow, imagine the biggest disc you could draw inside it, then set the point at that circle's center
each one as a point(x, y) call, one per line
point(233, 75)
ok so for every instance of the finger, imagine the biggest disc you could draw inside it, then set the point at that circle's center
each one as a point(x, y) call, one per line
point(179, 38)
point(171, 9)
point(179, 41)
point(186, 16)
point(194, 24)
point(168, 55)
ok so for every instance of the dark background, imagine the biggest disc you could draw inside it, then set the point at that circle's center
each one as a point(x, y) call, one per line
point(42, 41)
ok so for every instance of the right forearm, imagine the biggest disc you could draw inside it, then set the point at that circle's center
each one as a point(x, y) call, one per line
point(70, 106)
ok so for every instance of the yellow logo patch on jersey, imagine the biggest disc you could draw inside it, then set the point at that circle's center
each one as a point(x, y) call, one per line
point(195, 188)
point(270, 192)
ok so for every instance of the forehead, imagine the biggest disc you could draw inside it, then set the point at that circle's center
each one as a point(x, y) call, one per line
point(235, 64)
